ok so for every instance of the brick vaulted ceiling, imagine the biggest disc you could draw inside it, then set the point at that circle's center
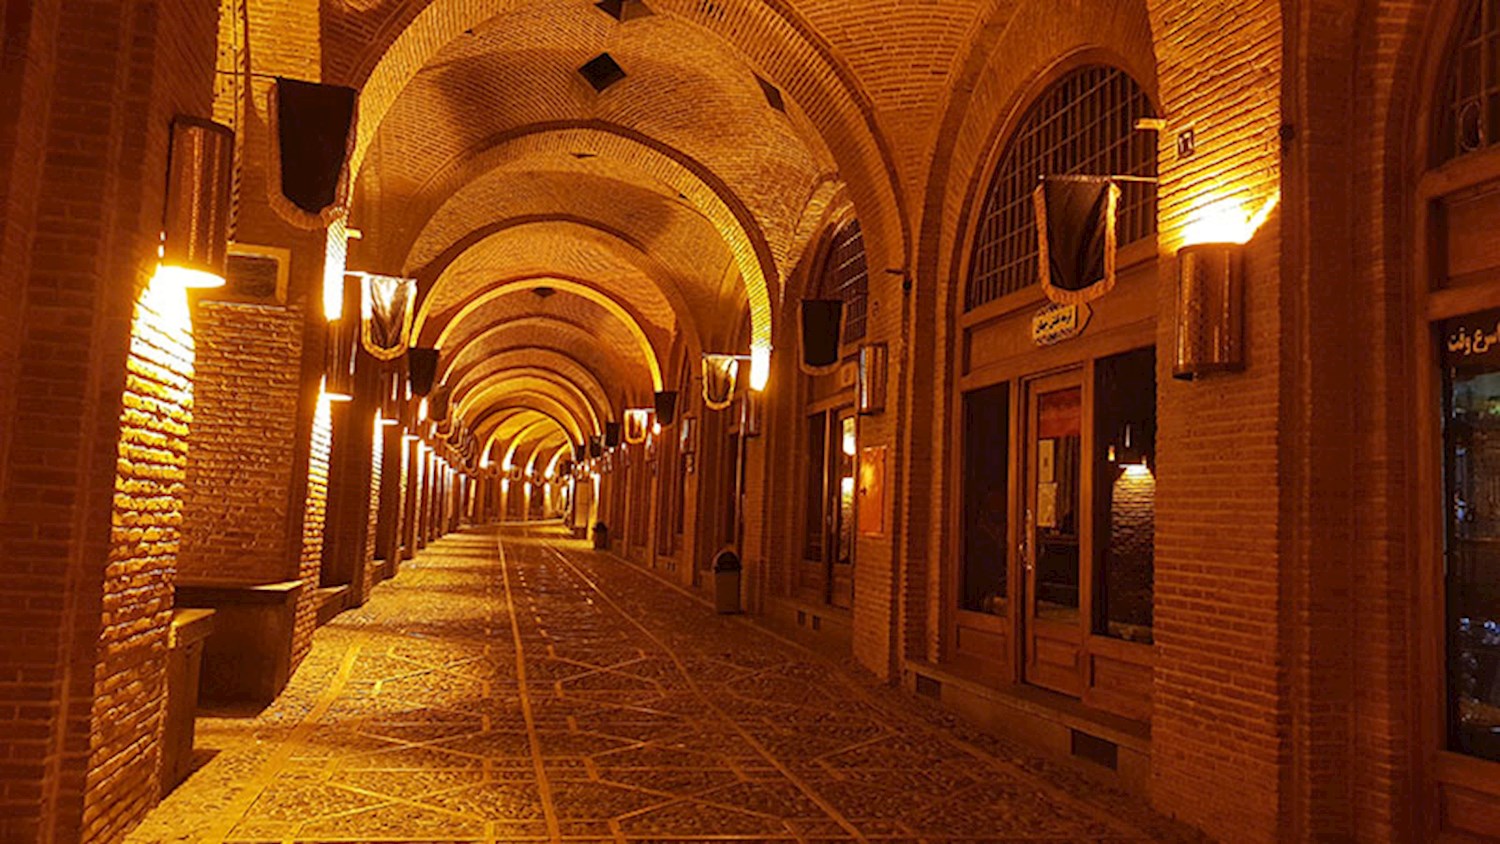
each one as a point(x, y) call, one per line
point(656, 214)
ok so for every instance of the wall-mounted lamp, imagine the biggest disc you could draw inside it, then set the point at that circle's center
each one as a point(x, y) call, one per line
point(874, 364)
point(760, 367)
point(195, 232)
point(392, 394)
point(1210, 305)
point(1211, 288)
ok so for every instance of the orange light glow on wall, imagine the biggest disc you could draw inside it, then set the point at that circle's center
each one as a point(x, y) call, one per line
point(1227, 221)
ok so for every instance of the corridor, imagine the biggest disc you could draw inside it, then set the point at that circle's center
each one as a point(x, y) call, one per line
point(608, 707)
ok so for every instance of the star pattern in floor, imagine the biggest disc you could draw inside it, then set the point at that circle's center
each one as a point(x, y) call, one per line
point(510, 685)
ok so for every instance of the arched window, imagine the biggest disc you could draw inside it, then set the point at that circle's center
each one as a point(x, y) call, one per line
point(846, 276)
point(1083, 124)
point(1469, 119)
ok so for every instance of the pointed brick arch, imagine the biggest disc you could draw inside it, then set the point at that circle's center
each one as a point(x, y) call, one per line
point(600, 297)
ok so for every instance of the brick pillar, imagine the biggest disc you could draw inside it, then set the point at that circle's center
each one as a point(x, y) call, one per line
point(1221, 715)
point(346, 534)
point(88, 97)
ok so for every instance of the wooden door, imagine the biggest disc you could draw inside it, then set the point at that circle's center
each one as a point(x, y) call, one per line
point(1054, 475)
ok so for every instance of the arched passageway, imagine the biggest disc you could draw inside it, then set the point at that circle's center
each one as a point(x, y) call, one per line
point(386, 384)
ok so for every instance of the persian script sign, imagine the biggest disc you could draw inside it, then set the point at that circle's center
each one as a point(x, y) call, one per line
point(1471, 340)
point(1056, 323)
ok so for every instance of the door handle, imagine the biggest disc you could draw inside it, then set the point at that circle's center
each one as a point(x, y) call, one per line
point(1027, 538)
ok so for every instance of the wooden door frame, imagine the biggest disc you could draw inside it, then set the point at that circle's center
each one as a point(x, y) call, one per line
point(1026, 624)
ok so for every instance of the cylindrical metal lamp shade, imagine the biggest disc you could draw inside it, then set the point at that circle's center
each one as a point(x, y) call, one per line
point(200, 171)
point(392, 394)
point(338, 359)
point(1210, 310)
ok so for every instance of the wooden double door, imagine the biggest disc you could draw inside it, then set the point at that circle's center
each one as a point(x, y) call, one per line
point(826, 575)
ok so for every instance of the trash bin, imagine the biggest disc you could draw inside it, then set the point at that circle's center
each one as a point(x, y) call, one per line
point(727, 581)
point(601, 536)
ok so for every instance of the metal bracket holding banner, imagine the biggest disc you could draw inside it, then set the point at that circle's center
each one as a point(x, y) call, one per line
point(1055, 323)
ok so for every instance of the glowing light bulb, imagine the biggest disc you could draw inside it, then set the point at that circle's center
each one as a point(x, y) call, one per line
point(1227, 221)
point(335, 259)
point(186, 277)
point(760, 367)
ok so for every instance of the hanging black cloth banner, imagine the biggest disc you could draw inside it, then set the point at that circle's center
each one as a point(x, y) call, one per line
point(421, 365)
point(611, 434)
point(313, 136)
point(1075, 230)
point(437, 403)
point(822, 321)
point(719, 373)
point(596, 447)
point(666, 408)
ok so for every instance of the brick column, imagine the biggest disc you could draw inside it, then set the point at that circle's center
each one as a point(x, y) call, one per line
point(90, 94)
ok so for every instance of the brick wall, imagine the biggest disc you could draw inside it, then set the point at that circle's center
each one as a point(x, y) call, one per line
point(239, 487)
point(85, 150)
point(130, 678)
point(1219, 730)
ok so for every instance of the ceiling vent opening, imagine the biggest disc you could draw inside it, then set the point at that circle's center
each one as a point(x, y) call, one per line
point(582, 156)
point(543, 292)
point(623, 10)
point(602, 71)
point(773, 94)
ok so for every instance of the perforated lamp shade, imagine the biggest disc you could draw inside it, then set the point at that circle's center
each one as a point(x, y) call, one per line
point(1210, 310)
point(343, 345)
point(195, 232)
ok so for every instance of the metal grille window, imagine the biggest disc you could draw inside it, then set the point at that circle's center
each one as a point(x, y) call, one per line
point(1083, 124)
point(848, 278)
point(1470, 116)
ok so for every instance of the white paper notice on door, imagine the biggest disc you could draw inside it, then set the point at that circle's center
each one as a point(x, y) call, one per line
point(1046, 505)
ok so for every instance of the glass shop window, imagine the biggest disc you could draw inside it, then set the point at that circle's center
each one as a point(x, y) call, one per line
point(817, 433)
point(1125, 493)
point(983, 586)
point(1471, 451)
point(846, 463)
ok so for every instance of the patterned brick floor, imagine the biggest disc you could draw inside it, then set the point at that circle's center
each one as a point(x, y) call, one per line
point(606, 707)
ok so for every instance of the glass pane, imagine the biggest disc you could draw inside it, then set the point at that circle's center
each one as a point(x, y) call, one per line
point(817, 435)
point(1472, 458)
point(848, 448)
point(1059, 449)
point(983, 586)
point(1125, 493)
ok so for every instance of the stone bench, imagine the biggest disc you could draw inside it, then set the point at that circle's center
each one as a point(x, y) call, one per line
point(248, 657)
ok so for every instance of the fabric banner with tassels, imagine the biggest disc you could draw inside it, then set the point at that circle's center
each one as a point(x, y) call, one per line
point(818, 332)
point(1075, 230)
point(637, 422)
point(312, 144)
point(389, 305)
point(719, 374)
